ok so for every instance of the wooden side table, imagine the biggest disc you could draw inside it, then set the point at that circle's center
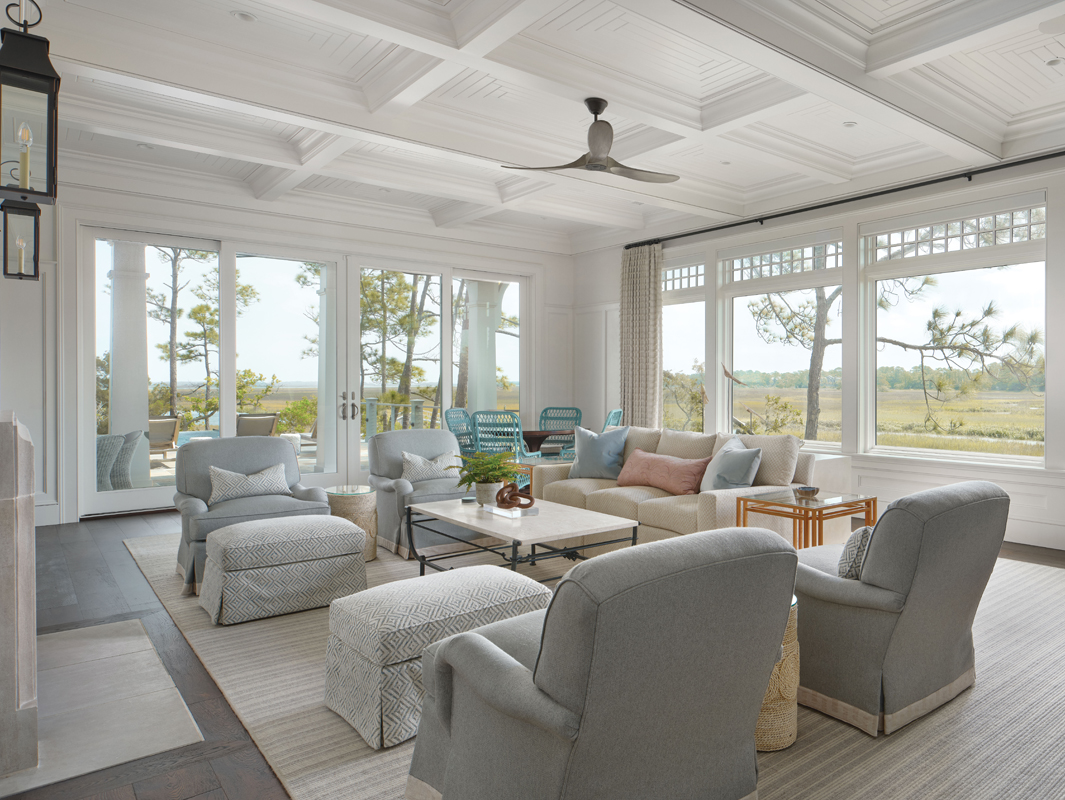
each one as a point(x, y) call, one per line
point(807, 515)
point(357, 504)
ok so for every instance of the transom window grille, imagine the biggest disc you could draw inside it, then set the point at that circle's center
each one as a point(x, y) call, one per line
point(785, 262)
point(1021, 225)
point(683, 277)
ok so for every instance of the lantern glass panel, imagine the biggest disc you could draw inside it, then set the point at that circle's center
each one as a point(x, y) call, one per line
point(20, 231)
point(24, 137)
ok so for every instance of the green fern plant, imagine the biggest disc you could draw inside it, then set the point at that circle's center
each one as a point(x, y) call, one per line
point(486, 468)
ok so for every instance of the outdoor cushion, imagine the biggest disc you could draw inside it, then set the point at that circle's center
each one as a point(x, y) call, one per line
point(686, 444)
point(416, 468)
point(676, 514)
point(674, 475)
point(780, 454)
point(852, 558)
point(622, 501)
point(733, 467)
point(598, 455)
point(574, 491)
point(287, 540)
point(229, 512)
point(226, 485)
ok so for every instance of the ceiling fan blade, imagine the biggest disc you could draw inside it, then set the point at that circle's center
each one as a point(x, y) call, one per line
point(600, 138)
point(640, 174)
point(580, 162)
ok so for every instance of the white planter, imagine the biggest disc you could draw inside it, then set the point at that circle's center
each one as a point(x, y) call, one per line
point(486, 493)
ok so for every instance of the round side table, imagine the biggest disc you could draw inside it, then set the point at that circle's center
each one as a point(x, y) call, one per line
point(778, 721)
point(357, 504)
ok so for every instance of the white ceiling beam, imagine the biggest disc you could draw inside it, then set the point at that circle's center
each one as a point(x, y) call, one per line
point(956, 29)
point(458, 213)
point(483, 25)
point(317, 149)
point(410, 78)
point(745, 34)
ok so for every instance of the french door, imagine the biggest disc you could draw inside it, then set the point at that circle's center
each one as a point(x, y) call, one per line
point(186, 339)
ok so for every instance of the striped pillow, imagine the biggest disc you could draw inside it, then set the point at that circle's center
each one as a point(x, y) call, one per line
point(226, 485)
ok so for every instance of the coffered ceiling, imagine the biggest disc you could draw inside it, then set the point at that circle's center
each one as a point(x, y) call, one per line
point(411, 107)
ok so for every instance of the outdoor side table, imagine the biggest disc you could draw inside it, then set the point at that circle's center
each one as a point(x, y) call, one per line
point(357, 504)
point(807, 514)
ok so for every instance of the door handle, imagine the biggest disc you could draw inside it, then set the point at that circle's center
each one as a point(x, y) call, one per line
point(354, 410)
point(344, 406)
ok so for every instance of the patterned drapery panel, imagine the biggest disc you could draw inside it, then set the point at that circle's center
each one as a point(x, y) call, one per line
point(641, 336)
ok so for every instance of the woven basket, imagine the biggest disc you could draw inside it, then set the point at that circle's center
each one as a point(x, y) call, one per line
point(362, 510)
point(778, 722)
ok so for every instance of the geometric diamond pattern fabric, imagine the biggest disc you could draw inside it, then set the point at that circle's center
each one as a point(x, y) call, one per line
point(395, 622)
point(226, 485)
point(282, 540)
point(416, 468)
point(373, 661)
point(263, 568)
point(853, 556)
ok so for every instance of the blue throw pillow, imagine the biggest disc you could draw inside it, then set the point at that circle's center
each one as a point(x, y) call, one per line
point(733, 467)
point(598, 455)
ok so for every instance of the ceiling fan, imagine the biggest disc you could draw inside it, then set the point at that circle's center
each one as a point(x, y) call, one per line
point(597, 159)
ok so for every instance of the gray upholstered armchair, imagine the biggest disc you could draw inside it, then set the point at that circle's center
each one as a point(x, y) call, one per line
point(883, 650)
point(643, 679)
point(394, 493)
point(247, 455)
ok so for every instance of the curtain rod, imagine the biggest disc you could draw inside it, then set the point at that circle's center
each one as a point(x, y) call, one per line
point(969, 173)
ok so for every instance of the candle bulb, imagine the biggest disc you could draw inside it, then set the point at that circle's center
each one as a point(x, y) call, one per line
point(20, 243)
point(24, 138)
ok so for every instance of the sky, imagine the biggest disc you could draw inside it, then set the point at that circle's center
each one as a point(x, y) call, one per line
point(683, 336)
point(270, 332)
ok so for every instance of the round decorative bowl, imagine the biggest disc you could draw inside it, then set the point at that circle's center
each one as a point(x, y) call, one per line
point(806, 492)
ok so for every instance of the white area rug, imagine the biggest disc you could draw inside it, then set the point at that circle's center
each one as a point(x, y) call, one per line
point(1000, 739)
point(104, 698)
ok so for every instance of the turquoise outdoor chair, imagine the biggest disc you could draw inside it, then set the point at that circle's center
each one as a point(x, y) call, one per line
point(613, 419)
point(560, 418)
point(500, 432)
point(459, 423)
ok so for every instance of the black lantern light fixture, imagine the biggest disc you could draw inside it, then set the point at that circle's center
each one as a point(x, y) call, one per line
point(29, 90)
point(22, 240)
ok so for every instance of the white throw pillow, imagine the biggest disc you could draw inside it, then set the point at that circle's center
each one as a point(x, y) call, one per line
point(416, 468)
point(852, 559)
point(226, 485)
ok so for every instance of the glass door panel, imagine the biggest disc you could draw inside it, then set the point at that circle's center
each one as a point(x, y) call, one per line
point(486, 363)
point(400, 364)
point(155, 367)
point(286, 376)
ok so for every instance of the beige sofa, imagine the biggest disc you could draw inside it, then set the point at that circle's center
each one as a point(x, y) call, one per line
point(662, 515)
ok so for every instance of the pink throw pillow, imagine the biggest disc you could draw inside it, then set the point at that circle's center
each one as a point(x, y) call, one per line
point(669, 473)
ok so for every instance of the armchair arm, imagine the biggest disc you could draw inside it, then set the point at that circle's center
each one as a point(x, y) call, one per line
point(310, 493)
point(717, 507)
point(545, 474)
point(397, 485)
point(188, 505)
point(501, 682)
point(842, 591)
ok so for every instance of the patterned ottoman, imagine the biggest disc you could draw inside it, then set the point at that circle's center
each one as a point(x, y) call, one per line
point(373, 667)
point(265, 567)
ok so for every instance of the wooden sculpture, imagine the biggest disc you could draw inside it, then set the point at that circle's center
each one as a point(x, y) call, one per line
point(510, 497)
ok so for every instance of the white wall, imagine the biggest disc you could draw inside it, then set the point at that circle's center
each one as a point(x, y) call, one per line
point(41, 323)
point(1037, 513)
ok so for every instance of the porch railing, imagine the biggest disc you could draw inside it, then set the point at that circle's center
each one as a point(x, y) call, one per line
point(419, 417)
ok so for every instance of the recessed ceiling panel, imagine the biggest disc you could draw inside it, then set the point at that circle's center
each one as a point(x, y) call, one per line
point(615, 40)
point(828, 129)
point(874, 16)
point(374, 194)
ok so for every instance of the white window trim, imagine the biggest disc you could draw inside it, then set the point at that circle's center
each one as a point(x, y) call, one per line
point(980, 208)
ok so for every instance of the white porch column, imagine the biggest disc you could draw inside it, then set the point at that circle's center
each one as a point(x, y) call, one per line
point(129, 351)
point(485, 314)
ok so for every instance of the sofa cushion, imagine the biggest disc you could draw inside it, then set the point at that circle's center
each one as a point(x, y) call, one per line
point(436, 489)
point(780, 454)
point(686, 444)
point(645, 439)
point(623, 501)
point(229, 512)
point(674, 475)
point(574, 491)
point(677, 514)
point(226, 485)
point(733, 467)
point(598, 455)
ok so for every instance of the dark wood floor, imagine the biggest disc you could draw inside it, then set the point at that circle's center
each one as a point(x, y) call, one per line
point(85, 576)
